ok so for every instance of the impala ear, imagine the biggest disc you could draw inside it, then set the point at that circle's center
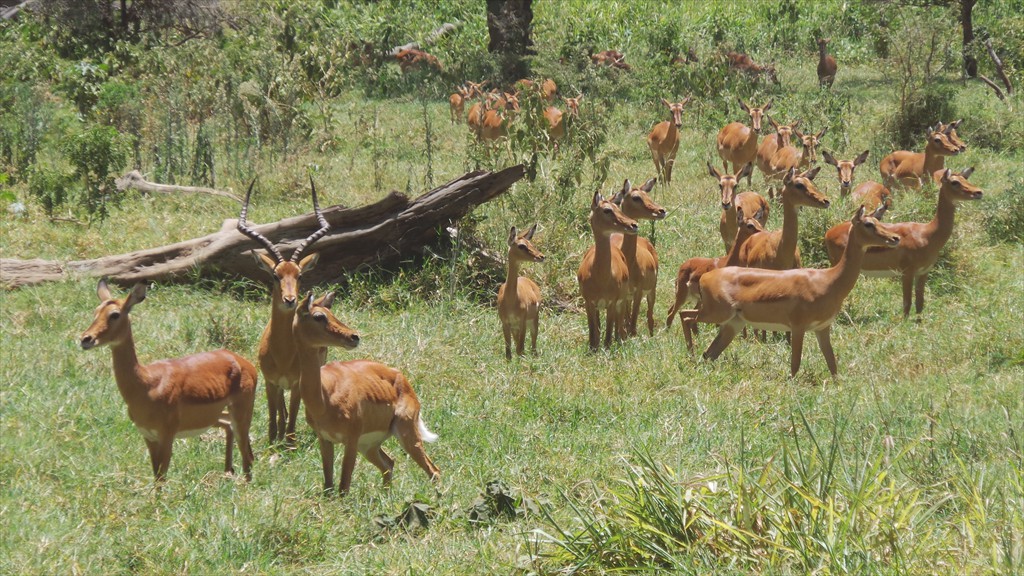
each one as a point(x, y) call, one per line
point(829, 159)
point(306, 305)
point(946, 174)
point(967, 173)
point(666, 102)
point(759, 215)
point(859, 216)
point(649, 185)
point(790, 175)
point(879, 212)
point(743, 105)
point(103, 291)
point(767, 106)
point(309, 262)
point(512, 236)
point(685, 101)
point(325, 301)
point(714, 172)
point(619, 196)
point(263, 261)
point(626, 186)
point(794, 125)
point(739, 215)
point(596, 201)
point(810, 174)
point(821, 134)
point(861, 159)
point(138, 294)
point(747, 170)
point(773, 123)
point(530, 232)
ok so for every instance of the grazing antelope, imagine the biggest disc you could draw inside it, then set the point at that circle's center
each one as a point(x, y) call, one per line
point(494, 124)
point(556, 119)
point(737, 142)
point(664, 139)
point(778, 250)
point(277, 357)
point(750, 202)
point(177, 397)
point(911, 169)
point(688, 276)
point(519, 297)
point(920, 243)
point(870, 194)
point(358, 403)
point(796, 301)
point(769, 146)
point(641, 257)
point(547, 89)
point(611, 58)
point(457, 104)
point(826, 64)
point(604, 274)
point(745, 64)
point(411, 59)
point(790, 157)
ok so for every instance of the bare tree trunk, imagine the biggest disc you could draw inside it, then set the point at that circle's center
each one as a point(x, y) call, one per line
point(388, 230)
point(967, 22)
point(509, 24)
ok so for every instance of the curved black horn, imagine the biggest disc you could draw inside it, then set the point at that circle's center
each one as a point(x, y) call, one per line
point(324, 226)
point(248, 231)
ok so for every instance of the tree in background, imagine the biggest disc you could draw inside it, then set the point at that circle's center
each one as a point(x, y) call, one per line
point(509, 23)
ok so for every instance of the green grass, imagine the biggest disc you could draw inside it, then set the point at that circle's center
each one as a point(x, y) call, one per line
point(911, 460)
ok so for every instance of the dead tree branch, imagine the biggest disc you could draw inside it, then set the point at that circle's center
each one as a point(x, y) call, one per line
point(135, 180)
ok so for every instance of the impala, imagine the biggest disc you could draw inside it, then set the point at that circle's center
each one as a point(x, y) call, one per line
point(737, 142)
point(750, 202)
point(177, 397)
point(745, 64)
point(844, 169)
point(870, 194)
point(410, 59)
point(641, 258)
point(494, 124)
point(556, 119)
point(769, 146)
point(826, 64)
point(778, 250)
point(790, 157)
point(664, 139)
point(604, 275)
point(688, 276)
point(911, 169)
point(457, 104)
point(920, 243)
point(519, 297)
point(358, 403)
point(796, 301)
point(277, 356)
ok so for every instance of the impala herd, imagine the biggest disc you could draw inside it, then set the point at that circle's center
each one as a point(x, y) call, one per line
point(759, 283)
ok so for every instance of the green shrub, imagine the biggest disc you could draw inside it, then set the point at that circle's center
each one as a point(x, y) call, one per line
point(1004, 214)
point(97, 155)
point(51, 183)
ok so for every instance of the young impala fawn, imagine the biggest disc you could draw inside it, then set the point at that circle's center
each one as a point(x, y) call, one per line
point(519, 297)
point(778, 250)
point(641, 258)
point(277, 357)
point(919, 245)
point(796, 301)
point(870, 194)
point(750, 202)
point(664, 139)
point(177, 397)
point(358, 403)
point(604, 274)
point(912, 169)
point(737, 142)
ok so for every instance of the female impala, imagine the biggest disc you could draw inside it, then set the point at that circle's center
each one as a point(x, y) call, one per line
point(870, 194)
point(556, 119)
point(750, 202)
point(688, 276)
point(790, 157)
point(519, 297)
point(913, 169)
point(737, 142)
point(664, 139)
point(641, 258)
point(920, 243)
point(358, 403)
point(826, 64)
point(457, 103)
point(778, 250)
point(276, 355)
point(604, 275)
point(178, 397)
point(797, 301)
point(769, 146)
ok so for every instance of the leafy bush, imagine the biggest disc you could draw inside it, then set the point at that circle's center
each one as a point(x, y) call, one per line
point(96, 155)
point(1004, 214)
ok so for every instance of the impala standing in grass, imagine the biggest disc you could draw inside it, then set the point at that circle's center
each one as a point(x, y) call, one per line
point(519, 297)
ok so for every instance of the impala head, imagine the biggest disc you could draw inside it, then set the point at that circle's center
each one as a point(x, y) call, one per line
point(940, 143)
point(465, 92)
point(676, 109)
point(810, 142)
point(869, 231)
point(110, 324)
point(606, 218)
point(799, 189)
point(957, 187)
point(950, 131)
point(845, 169)
point(748, 225)
point(783, 132)
point(727, 182)
point(756, 114)
point(573, 105)
point(316, 326)
point(286, 273)
point(822, 42)
point(636, 203)
point(520, 246)
point(769, 72)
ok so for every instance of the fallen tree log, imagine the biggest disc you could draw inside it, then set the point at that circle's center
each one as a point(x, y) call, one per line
point(134, 179)
point(390, 229)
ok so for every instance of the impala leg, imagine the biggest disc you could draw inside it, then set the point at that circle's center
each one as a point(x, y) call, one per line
point(650, 312)
point(688, 319)
point(506, 330)
point(908, 287)
point(229, 437)
point(611, 324)
point(163, 458)
point(327, 459)
point(668, 169)
point(534, 324)
point(272, 410)
point(635, 313)
point(521, 337)
point(726, 333)
point(594, 326)
point(294, 400)
point(241, 421)
point(376, 457)
point(919, 292)
point(825, 344)
point(348, 464)
point(154, 457)
point(409, 437)
point(797, 351)
point(658, 163)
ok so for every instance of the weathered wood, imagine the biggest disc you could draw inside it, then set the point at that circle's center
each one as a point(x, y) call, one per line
point(999, 66)
point(388, 230)
point(433, 37)
point(134, 179)
point(992, 85)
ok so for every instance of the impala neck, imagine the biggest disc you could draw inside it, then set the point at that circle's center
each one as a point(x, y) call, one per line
point(279, 331)
point(844, 274)
point(932, 162)
point(512, 278)
point(790, 224)
point(629, 243)
point(822, 52)
point(127, 372)
point(603, 252)
point(941, 227)
point(310, 384)
point(733, 257)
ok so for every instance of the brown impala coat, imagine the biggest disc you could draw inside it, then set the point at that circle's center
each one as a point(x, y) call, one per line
point(769, 146)
point(911, 169)
point(519, 297)
point(737, 142)
point(826, 64)
point(920, 243)
point(778, 250)
point(751, 202)
point(641, 258)
point(664, 139)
